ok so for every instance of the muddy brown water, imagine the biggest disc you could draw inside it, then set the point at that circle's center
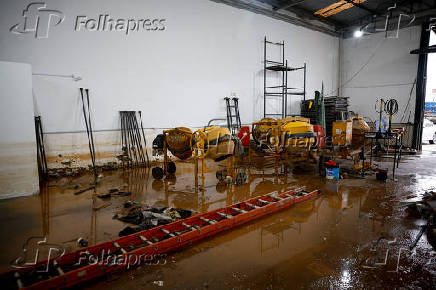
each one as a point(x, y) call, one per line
point(338, 240)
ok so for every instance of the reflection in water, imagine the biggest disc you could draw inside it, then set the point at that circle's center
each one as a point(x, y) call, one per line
point(45, 207)
point(312, 244)
point(276, 229)
point(93, 229)
point(345, 278)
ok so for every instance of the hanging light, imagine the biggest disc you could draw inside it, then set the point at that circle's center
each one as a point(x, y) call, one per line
point(358, 33)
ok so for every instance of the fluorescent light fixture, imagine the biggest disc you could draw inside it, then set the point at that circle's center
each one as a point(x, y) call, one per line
point(358, 33)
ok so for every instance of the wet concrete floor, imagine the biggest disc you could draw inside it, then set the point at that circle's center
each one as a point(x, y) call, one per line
point(354, 235)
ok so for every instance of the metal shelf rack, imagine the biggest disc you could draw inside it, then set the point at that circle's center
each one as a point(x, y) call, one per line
point(282, 91)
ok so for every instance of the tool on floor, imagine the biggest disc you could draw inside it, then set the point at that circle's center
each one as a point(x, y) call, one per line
point(101, 206)
point(418, 236)
point(84, 190)
point(87, 118)
point(95, 261)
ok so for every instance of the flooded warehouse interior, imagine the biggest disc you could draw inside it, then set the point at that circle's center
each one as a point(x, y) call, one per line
point(218, 144)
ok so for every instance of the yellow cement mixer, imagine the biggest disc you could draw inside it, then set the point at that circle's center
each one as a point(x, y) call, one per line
point(178, 142)
point(212, 142)
point(360, 127)
point(284, 135)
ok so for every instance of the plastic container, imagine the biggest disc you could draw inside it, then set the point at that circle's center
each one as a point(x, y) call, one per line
point(381, 174)
point(331, 170)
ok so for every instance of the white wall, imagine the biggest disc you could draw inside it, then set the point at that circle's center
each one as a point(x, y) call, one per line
point(177, 76)
point(18, 165)
point(382, 68)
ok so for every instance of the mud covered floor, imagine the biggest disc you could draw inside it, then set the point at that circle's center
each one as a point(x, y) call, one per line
point(353, 235)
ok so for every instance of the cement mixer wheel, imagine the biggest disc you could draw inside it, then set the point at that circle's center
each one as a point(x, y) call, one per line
point(221, 174)
point(157, 173)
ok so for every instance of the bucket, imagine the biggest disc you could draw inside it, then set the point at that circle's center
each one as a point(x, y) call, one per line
point(381, 174)
point(331, 170)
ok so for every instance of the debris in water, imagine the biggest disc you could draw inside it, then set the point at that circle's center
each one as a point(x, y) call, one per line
point(158, 283)
point(429, 195)
point(147, 218)
point(82, 242)
point(425, 208)
point(53, 175)
point(84, 190)
point(104, 205)
point(123, 193)
point(66, 162)
point(130, 203)
point(115, 193)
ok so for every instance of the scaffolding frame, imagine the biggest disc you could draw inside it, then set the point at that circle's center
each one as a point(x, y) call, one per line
point(283, 90)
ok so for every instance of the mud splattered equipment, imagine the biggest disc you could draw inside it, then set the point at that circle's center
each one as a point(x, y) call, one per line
point(291, 133)
point(74, 268)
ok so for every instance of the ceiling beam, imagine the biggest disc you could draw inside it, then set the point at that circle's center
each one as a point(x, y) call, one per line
point(309, 15)
point(281, 5)
point(430, 49)
point(358, 5)
point(288, 5)
point(257, 7)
